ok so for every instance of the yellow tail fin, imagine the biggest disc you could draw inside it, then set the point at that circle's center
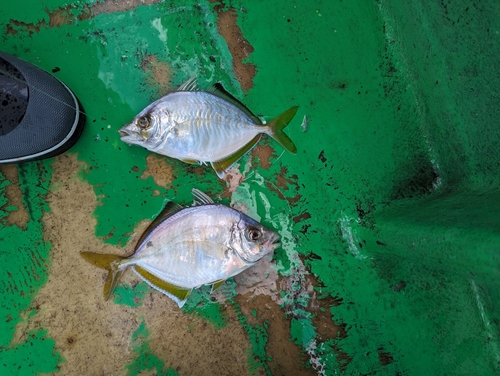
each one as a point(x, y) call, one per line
point(276, 129)
point(109, 262)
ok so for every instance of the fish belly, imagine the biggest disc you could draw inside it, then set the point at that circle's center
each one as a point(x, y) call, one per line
point(205, 128)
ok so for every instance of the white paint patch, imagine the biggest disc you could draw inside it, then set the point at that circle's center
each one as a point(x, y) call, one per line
point(314, 359)
point(162, 32)
point(305, 124)
point(349, 235)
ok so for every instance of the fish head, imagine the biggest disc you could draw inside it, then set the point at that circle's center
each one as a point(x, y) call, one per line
point(145, 129)
point(253, 241)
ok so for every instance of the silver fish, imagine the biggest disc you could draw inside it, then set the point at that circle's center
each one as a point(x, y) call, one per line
point(185, 248)
point(203, 127)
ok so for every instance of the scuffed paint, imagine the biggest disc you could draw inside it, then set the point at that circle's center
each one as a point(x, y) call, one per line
point(383, 118)
point(145, 359)
point(24, 260)
point(200, 303)
point(130, 296)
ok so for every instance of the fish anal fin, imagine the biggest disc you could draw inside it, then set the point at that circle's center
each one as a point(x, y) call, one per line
point(217, 284)
point(221, 166)
point(190, 161)
point(170, 209)
point(219, 91)
point(180, 293)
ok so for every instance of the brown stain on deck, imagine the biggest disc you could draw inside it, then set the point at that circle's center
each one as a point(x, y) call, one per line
point(65, 16)
point(18, 217)
point(160, 170)
point(239, 47)
point(92, 335)
point(159, 74)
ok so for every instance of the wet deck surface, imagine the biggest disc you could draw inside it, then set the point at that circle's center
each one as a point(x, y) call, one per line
point(321, 304)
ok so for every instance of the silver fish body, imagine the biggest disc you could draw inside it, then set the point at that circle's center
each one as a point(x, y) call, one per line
point(200, 245)
point(196, 126)
point(202, 127)
point(189, 247)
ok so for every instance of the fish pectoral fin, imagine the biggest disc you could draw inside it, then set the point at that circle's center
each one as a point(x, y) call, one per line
point(177, 293)
point(223, 165)
point(219, 91)
point(217, 284)
point(170, 209)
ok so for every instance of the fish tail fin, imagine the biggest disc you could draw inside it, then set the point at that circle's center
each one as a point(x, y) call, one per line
point(276, 129)
point(109, 262)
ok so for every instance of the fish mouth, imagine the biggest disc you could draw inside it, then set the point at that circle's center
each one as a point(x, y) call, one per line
point(273, 243)
point(123, 133)
point(126, 137)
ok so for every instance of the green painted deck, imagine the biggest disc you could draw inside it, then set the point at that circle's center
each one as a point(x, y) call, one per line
point(389, 214)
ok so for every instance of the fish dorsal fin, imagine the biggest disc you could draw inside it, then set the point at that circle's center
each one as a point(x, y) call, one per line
point(219, 91)
point(170, 209)
point(189, 85)
point(223, 165)
point(200, 198)
point(178, 294)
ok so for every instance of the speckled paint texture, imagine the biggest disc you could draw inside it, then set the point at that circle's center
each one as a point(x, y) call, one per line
point(388, 215)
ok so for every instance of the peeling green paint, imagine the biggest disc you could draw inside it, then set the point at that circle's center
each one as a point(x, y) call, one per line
point(131, 296)
point(200, 304)
point(24, 260)
point(145, 359)
point(399, 100)
point(36, 355)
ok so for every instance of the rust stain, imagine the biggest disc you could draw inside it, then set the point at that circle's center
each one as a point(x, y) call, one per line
point(160, 74)
point(63, 16)
point(161, 171)
point(263, 153)
point(301, 217)
point(111, 6)
point(284, 184)
point(284, 357)
point(239, 47)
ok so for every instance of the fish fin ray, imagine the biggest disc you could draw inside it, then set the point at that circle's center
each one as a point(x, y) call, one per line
point(201, 198)
point(219, 91)
point(189, 85)
point(223, 165)
point(170, 209)
point(276, 129)
point(109, 262)
point(178, 294)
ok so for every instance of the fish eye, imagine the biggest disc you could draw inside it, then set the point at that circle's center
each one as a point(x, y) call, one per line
point(144, 122)
point(254, 234)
